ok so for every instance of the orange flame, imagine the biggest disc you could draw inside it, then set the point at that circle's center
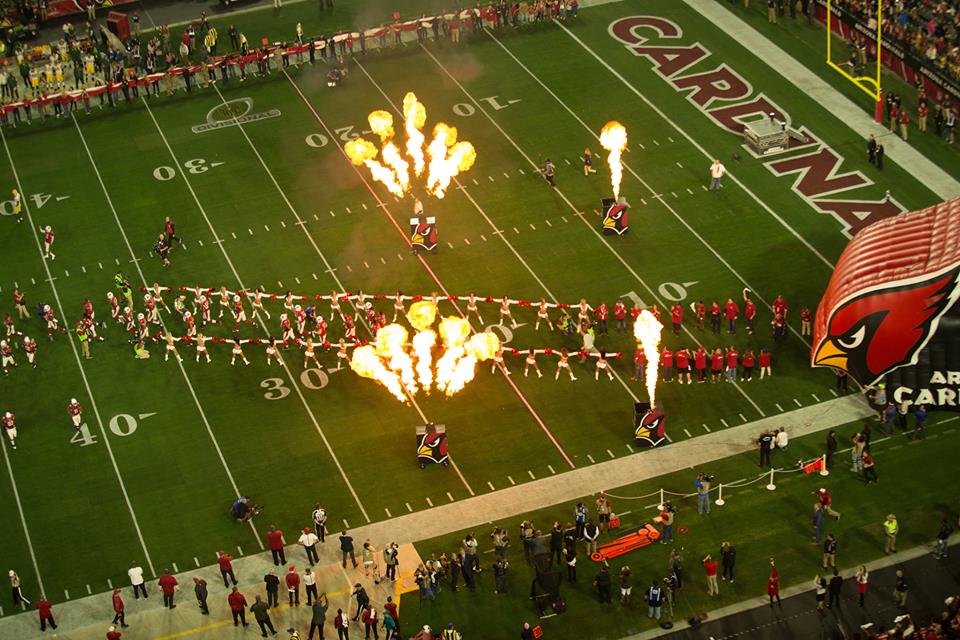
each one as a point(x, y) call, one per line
point(365, 362)
point(447, 158)
point(647, 329)
point(363, 152)
point(381, 123)
point(613, 138)
point(414, 117)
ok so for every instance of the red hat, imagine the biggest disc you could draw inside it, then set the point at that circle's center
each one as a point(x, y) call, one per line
point(292, 568)
point(306, 529)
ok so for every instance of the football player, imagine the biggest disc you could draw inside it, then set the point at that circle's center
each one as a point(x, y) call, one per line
point(207, 316)
point(114, 307)
point(239, 313)
point(48, 238)
point(75, 410)
point(53, 325)
point(11, 330)
point(286, 331)
point(151, 308)
point(6, 357)
point(9, 422)
point(30, 348)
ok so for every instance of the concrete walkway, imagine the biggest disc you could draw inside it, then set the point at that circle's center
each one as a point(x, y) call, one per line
point(87, 618)
point(840, 106)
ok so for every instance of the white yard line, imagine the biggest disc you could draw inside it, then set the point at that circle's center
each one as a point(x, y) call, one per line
point(563, 196)
point(646, 185)
point(293, 381)
point(691, 140)
point(326, 262)
point(83, 373)
point(143, 279)
point(23, 520)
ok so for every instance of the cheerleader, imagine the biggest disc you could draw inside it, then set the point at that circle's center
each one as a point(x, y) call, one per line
point(238, 351)
point(498, 360)
point(288, 302)
point(543, 315)
point(334, 305)
point(472, 307)
point(202, 348)
point(197, 298)
point(224, 301)
point(273, 352)
point(171, 346)
point(531, 362)
point(564, 364)
point(158, 300)
point(257, 304)
point(398, 308)
point(505, 312)
point(583, 316)
point(602, 365)
point(309, 355)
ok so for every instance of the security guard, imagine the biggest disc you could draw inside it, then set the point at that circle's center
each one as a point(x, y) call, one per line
point(451, 634)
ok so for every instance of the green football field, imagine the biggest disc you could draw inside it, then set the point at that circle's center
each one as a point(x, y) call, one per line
point(274, 203)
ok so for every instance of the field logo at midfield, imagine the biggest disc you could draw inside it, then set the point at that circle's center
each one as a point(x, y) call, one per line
point(730, 101)
point(233, 112)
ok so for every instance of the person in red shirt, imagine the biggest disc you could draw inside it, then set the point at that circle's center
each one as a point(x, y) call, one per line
point(922, 116)
point(45, 611)
point(904, 123)
point(666, 364)
point(634, 312)
point(779, 324)
point(238, 606)
point(620, 315)
point(749, 312)
point(113, 634)
point(676, 317)
point(710, 568)
point(655, 310)
point(118, 609)
point(700, 309)
point(748, 361)
point(292, 580)
point(764, 362)
point(167, 584)
point(732, 361)
point(826, 501)
point(805, 318)
point(639, 364)
point(225, 560)
point(603, 314)
point(700, 361)
point(716, 365)
point(683, 365)
point(715, 313)
point(275, 540)
point(391, 609)
point(780, 306)
point(773, 585)
point(731, 310)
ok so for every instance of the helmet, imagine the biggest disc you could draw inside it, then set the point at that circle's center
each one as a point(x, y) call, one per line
point(236, 298)
point(297, 308)
point(46, 307)
point(139, 315)
point(3, 343)
point(110, 295)
point(146, 296)
point(73, 401)
point(47, 228)
point(283, 316)
point(8, 415)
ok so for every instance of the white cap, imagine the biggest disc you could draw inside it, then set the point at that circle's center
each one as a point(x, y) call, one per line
point(8, 414)
point(73, 401)
point(296, 307)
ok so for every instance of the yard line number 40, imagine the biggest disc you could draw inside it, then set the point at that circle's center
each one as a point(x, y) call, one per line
point(122, 425)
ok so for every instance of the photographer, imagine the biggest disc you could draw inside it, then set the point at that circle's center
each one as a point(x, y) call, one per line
point(703, 491)
point(501, 540)
point(666, 520)
point(243, 509)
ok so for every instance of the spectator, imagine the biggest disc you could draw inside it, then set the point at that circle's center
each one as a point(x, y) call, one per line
point(225, 561)
point(728, 558)
point(118, 609)
point(292, 580)
point(346, 548)
point(820, 588)
point(261, 614)
point(869, 470)
point(863, 577)
point(167, 584)
point(318, 616)
point(342, 624)
point(275, 541)
point(900, 590)
point(943, 536)
point(920, 415)
point(710, 568)
point(45, 611)
point(238, 606)
point(835, 586)
point(773, 585)
point(626, 585)
point(272, 583)
point(830, 552)
point(654, 600)
point(817, 522)
point(602, 584)
point(308, 539)
point(370, 621)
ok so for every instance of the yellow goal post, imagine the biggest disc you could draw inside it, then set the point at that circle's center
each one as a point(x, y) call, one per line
point(868, 84)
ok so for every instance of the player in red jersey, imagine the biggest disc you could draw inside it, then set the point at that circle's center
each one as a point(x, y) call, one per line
point(300, 318)
point(239, 313)
point(733, 359)
point(716, 365)
point(763, 359)
point(286, 331)
point(53, 325)
point(620, 316)
point(700, 361)
point(635, 311)
point(114, 306)
point(349, 328)
point(191, 324)
point(153, 316)
point(683, 365)
point(715, 313)
point(75, 412)
point(779, 324)
point(805, 322)
point(48, 238)
point(9, 422)
point(731, 311)
point(206, 316)
point(666, 364)
point(749, 312)
point(11, 330)
point(676, 317)
point(30, 348)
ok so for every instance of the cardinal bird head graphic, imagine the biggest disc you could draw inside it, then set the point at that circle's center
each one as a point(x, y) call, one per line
point(886, 327)
point(650, 428)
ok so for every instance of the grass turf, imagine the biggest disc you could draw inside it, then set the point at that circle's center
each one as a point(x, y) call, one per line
point(183, 464)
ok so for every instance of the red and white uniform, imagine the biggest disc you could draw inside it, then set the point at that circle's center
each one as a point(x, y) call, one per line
point(619, 311)
point(286, 331)
point(141, 325)
point(75, 410)
point(52, 324)
point(564, 364)
point(498, 359)
point(257, 304)
point(239, 313)
point(157, 296)
point(602, 312)
point(301, 317)
point(361, 304)
point(151, 307)
point(10, 329)
point(198, 296)
point(350, 329)
point(9, 421)
point(531, 361)
point(321, 329)
point(30, 348)
point(342, 355)
point(655, 310)
point(171, 347)
point(128, 317)
point(505, 312)
point(202, 347)
point(780, 306)
point(764, 361)
point(288, 301)
point(543, 315)
point(676, 317)
point(472, 307)
point(224, 301)
point(805, 322)
point(48, 238)
point(635, 312)
point(583, 316)
point(91, 328)
point(238, 353)
point(334, 305)
point(114, 306)
point(273, 352)
point(6, 356)
point(88, 309)
point(191, 325)
point(205, 310)
point(308, 354)
point(602, 366)
point(398, 309)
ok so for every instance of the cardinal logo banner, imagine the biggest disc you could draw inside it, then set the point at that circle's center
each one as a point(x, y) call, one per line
point(423, 233)
point(890, 311)
point(432, 447)
point(615, 218)
point(650, 428)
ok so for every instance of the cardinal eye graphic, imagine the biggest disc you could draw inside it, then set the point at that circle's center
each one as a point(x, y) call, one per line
point(854, 340)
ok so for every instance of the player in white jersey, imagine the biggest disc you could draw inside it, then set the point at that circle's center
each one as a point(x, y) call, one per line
point(309, 355)
point(171, 346)
point(76, 413)
point(202, 347)
point(158, 300)
point(398, 309)
point(224, 301)
point(273, 352)
point(603, 365)
point(238, 352)
point(30, 348)
point(472, 307)
point(531, 361)
point(542, 315)
point(564, 364)
point(505, 312)
point(257, 304)
point(48, 238)
point(342, 355)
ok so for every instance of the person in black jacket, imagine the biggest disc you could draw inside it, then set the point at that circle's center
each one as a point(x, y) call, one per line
point(200, 589)
point(556, 542)
point(728, 558)
point(602, 584)
point(836, 583)
point(273, 588)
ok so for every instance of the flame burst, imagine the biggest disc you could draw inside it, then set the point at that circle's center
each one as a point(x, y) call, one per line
point(405, 368)
point(647, 329)
point(613, 138)
point(447, 158)
point(381, 123)
point(414, 117)
point(362, 152)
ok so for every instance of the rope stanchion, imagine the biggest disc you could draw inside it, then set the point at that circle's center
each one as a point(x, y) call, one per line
point(823, 466)
point(770, 485)
point(720, 501)
point(662, 501)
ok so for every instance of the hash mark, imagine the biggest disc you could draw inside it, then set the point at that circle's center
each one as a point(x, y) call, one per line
point(548, 223)
point(797, 402)
point(100, 264)
point(724, 422)
point(521, 172)
point(779, 408)
point(283, 224)
point(689, 435)
point(833, 392)
point(490, 484)
point(564, 218)
point(669, 138)
point(234, 235)
point(567, 161)
point(706, 428)
point(175, 569)
point(475, 183)
point(83, 268)
point(551, 469)
point(673, 193)
point(314, 276)
point(530, 473)
point(118, 261)
point(297, 279)
point(365, 264)
point(641, 145)
point(389, 515)
point(483, 237)
point(467, 241)
point(429, 502)
point(89, 590)
point(643, 201)
point(348, 209)
point(349, 269)
point(815, 397)
point(531, 226)
point(450, 244)
point(66, 593)
point(239, 550)
point(590, 458)
point(382, 261)
point(516, 231)
point(66, 273)
point(364, 206)
point(266, 228)
point(630, 448)
point(656, 143)
point(689, 190)
point(399, 257)
point(333, 215)
point(449, 495)
point(680, 165)
point(510, 478)
point(491, 178)
point(506, 175)
point(249, 230)
point(316, 217)
point(742, 417)
point(346, 525)
point(195, 561)
point(611, 453)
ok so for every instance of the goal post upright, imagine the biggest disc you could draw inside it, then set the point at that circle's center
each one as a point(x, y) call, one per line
point(869, 85)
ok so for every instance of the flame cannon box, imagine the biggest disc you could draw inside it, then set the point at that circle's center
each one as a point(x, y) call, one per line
point(615, 216)
point(649, 424)
point(423, 234)
point(432, 445)
point(766, 136)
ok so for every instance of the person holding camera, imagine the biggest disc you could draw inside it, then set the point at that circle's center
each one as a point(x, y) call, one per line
point(501, 540)
point(703, 491)
point(666, 520)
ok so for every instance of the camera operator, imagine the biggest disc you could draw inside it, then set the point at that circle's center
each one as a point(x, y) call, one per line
point(703, 491)
point(666, 519)
point(243, 509)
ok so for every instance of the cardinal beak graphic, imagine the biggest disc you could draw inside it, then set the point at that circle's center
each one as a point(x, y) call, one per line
point(830, 355)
